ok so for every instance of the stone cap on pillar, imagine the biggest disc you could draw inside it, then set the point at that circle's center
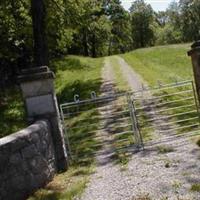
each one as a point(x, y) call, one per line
point(36, 73)
point(195, 48)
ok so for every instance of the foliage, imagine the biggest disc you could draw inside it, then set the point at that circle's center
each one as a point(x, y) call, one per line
point(120, 39)
point(11, 112)
point(190, 19)
point(91, 28)
point(167, 35)
point(141, 20)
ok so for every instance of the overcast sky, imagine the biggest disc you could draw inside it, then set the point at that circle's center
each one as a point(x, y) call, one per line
point(157, 5)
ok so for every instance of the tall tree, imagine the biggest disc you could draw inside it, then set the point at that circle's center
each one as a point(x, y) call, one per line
point(120, 38)
point(38, 11)
point(142, 17)
point(190, 19)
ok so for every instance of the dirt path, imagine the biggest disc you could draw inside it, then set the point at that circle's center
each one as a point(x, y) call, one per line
point(149, 174)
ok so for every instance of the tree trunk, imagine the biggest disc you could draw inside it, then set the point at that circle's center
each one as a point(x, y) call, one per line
point(94, 46)
point(39, 33)
point(109, 47)
point(85, 44)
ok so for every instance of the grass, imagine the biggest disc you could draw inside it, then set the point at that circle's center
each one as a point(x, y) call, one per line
point(12, 114)
point(121, 83)
point(165, 149)
point(64, 186)
point(162, 63)
point(76, 75)
point(195, 187)
point(166, 64)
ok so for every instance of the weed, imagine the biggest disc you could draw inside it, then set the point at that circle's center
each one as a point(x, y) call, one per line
point(198, 142)
point(142, 197)
point(165, 149)
point(195, 187)
point(167, 165)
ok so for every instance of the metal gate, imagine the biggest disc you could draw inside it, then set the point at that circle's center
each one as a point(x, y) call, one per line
point(166, 110)
point(132, 118)
point(112, 113)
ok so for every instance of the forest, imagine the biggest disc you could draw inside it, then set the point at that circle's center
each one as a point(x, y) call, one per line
point(92, 28)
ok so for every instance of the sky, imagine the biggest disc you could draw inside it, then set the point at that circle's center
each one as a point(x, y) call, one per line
point(157, 5)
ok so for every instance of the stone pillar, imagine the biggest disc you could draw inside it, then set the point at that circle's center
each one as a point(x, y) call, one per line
point(195, 55)
point(37, 86)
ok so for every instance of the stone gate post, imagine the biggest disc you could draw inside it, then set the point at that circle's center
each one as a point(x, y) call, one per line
point(37, 86)
point(195, 56)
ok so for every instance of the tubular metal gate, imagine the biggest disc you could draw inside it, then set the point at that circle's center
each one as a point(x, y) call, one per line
point(170, 109)
point(132, 117)
point(113, 114)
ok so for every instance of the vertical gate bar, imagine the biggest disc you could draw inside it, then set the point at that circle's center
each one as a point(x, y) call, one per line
point(136, 123)
point(132, 120)
point(195, 99)
point(65, 131)
point(135, 128)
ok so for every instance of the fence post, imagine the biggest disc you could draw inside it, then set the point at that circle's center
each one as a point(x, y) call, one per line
point(195, 56)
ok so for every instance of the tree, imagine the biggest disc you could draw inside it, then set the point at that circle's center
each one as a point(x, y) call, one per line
point(38, 11)
point(120, 39)
point(190, 19)
point(93, 29)
point(169, 30)
point(16, 39)
point(142, 18)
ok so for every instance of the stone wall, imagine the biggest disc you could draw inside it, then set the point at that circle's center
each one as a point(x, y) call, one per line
point(27, 161)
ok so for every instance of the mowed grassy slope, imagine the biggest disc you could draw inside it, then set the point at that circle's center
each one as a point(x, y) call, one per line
point(77, 75)
point(162, 63)
point(166, 64)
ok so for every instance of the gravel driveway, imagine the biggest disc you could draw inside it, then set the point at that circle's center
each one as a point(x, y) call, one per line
point(149, 174)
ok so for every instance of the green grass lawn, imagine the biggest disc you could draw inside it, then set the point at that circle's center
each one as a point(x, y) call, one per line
point(77, 75)
point(165, 64)
point(162, 63)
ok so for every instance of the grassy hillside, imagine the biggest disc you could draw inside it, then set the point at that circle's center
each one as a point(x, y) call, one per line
point(166, 63)
point(77, 75)
point(162, 63)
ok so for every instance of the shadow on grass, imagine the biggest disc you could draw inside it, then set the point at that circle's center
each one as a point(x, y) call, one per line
point(50, 196)
point(69, 63)
point(83, 140)
point(12, 114)
point(82, 88)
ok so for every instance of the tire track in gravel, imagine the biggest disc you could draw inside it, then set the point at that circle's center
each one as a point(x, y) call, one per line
point(107, 183)
point(149, 174)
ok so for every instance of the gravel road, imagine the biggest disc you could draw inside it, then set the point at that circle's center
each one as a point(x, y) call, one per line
point(149, 173)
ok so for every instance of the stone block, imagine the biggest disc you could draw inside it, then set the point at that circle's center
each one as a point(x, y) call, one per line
point(30, 152)
point(15, 159)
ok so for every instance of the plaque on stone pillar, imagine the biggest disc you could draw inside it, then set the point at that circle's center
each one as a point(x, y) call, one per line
point(40, 105)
